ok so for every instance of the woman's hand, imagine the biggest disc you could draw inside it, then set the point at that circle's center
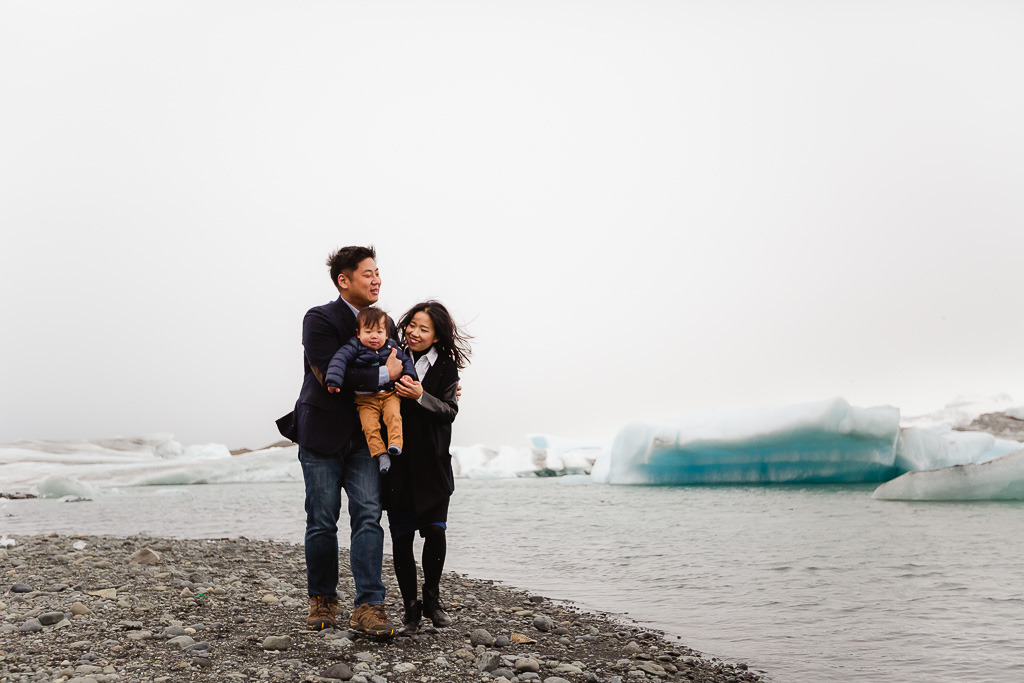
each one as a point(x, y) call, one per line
point(407, 387)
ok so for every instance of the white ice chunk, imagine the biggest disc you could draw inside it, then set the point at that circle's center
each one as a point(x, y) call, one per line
point(64, 468)
point(999, 479)
point(825, 441)
point(55, 486)
point(568, 455)
point(931, 448)
point(507, 463)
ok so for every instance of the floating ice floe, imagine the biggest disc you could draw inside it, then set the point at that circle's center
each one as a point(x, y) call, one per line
point(56, 486)
point(929, 448)
point(999, 479)
point(55, 469)
point(549, 456)
point(823, 442)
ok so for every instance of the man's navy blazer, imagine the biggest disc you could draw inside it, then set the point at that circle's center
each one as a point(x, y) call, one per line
point(322, 421)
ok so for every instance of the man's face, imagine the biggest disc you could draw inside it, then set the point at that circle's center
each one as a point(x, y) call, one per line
point(362, 287)
point(373, 336)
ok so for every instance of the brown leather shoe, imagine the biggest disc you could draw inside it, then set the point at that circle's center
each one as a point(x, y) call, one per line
point(323, 610)
point(372, 620)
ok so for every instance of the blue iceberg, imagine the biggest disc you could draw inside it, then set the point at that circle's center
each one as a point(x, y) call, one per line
point(823, 442)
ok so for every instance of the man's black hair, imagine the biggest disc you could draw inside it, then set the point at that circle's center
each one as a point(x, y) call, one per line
point(346, 259)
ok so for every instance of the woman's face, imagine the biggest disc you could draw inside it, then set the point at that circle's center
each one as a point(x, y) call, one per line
point(420, 332)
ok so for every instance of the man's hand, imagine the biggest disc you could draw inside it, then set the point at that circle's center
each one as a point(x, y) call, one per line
point(333, 389)
point(394, 365)
point(458, 391)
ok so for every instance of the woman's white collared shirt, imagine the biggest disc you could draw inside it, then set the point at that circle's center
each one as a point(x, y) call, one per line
point(423, 366)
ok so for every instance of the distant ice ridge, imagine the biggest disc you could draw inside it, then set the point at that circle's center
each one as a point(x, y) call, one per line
point(998, 479)
point(86, 467)
point(821, 442)
point(964, 409)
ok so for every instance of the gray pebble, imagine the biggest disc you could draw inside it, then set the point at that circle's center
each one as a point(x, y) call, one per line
point(277, 643)
point(488, 661)
point(50, 618)
point(527, 664)
point(404, 668)
point(180, 642)
point(542, 622)
point(340, 671)
point(172, 631)
point(31, 626)
point(21, 588)
point(650, 668)
point(481, 637)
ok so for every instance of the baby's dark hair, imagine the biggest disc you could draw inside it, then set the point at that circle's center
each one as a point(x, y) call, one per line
point(369, 318)
point(450, 340)
point(346, 259)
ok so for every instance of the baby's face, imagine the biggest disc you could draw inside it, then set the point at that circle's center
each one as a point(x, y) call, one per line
point(373, 337)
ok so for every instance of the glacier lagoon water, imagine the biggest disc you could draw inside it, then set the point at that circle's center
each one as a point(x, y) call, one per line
point(809, 583)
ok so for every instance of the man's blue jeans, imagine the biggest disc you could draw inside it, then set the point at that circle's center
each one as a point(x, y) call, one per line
point(325, 476)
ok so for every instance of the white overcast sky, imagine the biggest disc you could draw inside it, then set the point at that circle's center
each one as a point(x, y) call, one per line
point(638, 208)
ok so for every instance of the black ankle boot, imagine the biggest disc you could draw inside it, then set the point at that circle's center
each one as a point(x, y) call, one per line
point(411, 620)
point(434, 608)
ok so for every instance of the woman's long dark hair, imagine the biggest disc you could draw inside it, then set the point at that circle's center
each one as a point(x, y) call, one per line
point(449, 339)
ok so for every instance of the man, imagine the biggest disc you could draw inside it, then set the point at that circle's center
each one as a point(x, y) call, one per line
point(333, 451)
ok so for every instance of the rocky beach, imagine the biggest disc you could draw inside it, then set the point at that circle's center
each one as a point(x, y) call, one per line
point(100, 609)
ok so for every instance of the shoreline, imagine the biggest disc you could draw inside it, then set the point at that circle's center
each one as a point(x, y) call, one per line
point(91, 609)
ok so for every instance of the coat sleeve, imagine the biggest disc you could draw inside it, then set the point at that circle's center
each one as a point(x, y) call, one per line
point(340, 361)
point(443, 407)
point(319, 343)
point(408, 367)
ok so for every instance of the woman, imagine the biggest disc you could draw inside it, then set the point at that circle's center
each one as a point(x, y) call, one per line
point(417, 489)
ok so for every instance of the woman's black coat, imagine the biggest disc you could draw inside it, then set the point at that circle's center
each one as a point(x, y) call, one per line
point(421, 477)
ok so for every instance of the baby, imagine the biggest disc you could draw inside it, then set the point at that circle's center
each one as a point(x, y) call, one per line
point(371, 347)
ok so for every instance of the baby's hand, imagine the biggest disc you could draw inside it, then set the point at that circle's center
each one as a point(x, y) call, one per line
point(334, 390)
